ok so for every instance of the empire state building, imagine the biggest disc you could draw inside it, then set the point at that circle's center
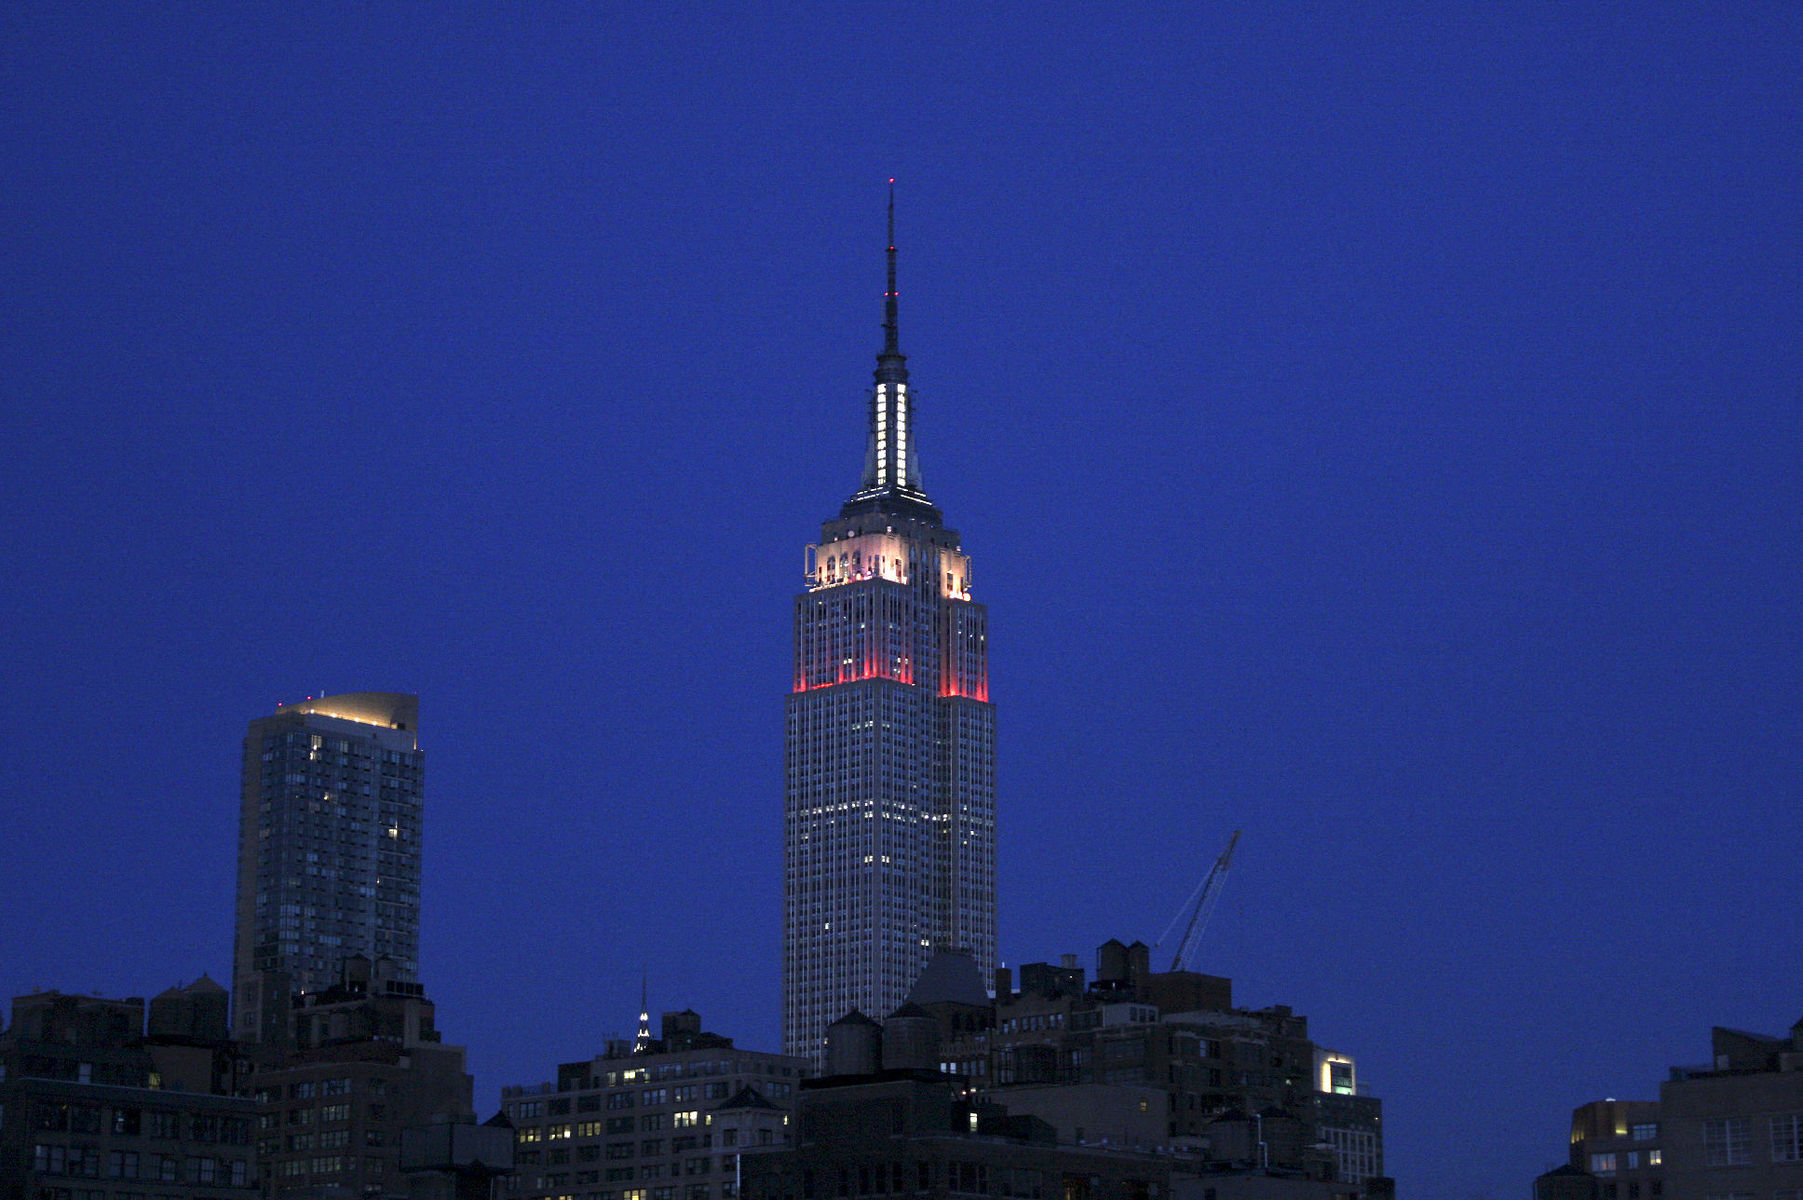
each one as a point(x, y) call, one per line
point(889, 806)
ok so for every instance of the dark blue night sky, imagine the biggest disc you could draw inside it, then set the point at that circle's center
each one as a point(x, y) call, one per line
point(1375, 427)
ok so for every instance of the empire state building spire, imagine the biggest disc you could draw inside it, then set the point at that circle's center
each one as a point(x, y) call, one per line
point(891, 481)
point(891, 364)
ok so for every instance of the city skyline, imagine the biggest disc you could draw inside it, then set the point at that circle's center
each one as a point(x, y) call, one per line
point(889, 825)
point(1378, 428)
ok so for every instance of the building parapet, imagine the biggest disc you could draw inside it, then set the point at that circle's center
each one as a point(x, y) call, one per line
point(528, 1089)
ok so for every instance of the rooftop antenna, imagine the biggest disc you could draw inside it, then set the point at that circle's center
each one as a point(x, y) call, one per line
point(891, 323)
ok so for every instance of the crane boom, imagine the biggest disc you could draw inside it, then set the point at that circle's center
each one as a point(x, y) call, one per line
point(1200, 905)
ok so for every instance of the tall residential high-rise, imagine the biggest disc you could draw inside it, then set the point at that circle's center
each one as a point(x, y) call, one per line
point(889, 809)
point(328, 851)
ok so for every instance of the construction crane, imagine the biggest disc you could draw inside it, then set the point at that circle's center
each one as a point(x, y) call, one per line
point(1199, 905)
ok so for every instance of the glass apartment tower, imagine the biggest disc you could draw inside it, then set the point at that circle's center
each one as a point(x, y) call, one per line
point(889, 805)
point(328, 851)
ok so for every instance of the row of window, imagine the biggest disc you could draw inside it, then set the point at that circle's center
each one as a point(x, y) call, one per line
point(973, 1178)
point(325, 1114)
point(85, 1162)
point(691, 1167)
point(1629, 1160)
point(1728, 1141)
point(615, 1151)
point(63, 1193)
point(213, 1128)
point(694, 1191)
point(330, 1164)
point(528, 1110)
point(43, 1066)
point(1655, 1188)
point(560, 1105)
point(650, 1122)
point(329, 1139)
point(1356, 1151)
point(622, 1150)
point(560, 1178)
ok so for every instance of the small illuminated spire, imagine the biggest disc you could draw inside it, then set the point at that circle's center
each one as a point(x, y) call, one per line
point(642, 1043)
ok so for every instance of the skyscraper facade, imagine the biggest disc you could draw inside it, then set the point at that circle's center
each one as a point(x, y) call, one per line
point(328, 851)
point(889, 810)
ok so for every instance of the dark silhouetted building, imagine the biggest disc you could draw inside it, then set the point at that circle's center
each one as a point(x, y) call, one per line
point(459, 1160)
point(869, 1130)
point(651, 1118)
point(367, 1064)
point(880, 1126)
point(1156, 1061)
point(889, 799)
point(328, 851)
point(1616, 1145)
point(1565, 1183)
point(200, 1011)
point(92, 1107)
point(1729, 1128)
point(1735, 1124)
